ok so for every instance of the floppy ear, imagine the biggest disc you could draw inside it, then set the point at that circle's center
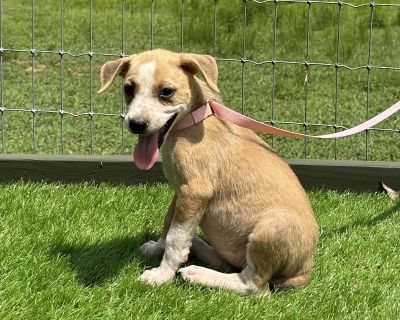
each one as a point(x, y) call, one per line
point(206, 65)
point(111, 69)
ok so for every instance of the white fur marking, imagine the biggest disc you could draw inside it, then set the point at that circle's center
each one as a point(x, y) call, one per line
point(146, 78)
point(145, 105)
point(240, 282)
point(177, 246)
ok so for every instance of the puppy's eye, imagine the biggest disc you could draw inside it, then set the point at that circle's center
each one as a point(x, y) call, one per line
point(166, 93)
point(129, 89)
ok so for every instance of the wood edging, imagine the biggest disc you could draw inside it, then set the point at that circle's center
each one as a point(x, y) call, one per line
point(358, 176)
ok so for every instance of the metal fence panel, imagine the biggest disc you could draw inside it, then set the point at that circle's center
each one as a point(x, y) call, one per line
point(62, 53)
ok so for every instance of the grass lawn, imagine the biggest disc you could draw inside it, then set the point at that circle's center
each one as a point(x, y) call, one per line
point(71, 252)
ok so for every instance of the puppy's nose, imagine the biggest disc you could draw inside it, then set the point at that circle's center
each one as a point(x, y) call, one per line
point(138, 126)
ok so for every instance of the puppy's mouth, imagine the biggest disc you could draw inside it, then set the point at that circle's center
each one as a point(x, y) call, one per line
point(147, 150)
point(165, 130)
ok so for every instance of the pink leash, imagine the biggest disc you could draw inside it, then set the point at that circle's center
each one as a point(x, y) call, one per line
point(214, 107)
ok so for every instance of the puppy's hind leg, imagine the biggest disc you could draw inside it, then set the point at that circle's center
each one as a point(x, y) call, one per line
point(239, 282)
point(281, 249)
point(289, 283)
point(208, 254)
point(152, 248)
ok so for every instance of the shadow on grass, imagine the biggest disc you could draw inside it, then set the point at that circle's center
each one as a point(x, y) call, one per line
point(94, 264)
point(365, 223)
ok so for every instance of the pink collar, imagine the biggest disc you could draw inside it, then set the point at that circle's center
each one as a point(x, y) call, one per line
point(214, 107)
point(194, 117)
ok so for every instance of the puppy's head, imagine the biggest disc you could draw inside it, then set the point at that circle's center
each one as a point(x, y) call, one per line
point(159, 88)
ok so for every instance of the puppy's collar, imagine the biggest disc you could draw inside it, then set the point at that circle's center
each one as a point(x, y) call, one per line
point(194, 117)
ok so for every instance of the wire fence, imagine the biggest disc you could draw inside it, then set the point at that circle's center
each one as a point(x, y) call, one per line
point(34, 109)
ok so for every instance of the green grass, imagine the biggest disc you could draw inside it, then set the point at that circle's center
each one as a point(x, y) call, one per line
point(71, 252)
point(16, 134)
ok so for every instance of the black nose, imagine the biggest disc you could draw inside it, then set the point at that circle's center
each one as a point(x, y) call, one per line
point(138, 126)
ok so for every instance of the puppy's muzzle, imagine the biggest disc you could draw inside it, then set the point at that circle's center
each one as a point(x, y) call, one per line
point(138, 126)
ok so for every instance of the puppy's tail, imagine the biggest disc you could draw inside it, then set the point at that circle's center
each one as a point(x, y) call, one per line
point(394, 195)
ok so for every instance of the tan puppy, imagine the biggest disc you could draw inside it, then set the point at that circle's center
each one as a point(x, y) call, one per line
point(248, 202)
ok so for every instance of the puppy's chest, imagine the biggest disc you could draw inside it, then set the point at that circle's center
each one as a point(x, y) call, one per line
point(182, 160)
point(169, 162)
point(170, 172)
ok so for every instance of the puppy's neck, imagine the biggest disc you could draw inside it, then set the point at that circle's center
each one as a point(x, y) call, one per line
point(201, 93)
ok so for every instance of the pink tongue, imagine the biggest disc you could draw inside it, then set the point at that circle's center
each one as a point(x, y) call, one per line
point(146, 151)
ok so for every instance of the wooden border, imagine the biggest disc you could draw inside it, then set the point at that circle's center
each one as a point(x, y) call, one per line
point(338, 175)
point(342, 175)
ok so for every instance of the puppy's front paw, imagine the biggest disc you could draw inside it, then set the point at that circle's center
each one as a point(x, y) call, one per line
point(156, 276)
point(152, 248)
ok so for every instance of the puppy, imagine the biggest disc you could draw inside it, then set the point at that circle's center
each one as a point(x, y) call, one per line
point(247, 201)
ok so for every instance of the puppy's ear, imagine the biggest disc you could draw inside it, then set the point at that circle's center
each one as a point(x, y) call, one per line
point(206, 65)
point(111, 69)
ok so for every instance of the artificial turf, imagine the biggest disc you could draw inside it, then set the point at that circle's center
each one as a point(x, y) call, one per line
point(71, 252)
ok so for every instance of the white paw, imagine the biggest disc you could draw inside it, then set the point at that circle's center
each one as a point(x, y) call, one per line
point(156, 276)
point(194, 274)
point(152, 248)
